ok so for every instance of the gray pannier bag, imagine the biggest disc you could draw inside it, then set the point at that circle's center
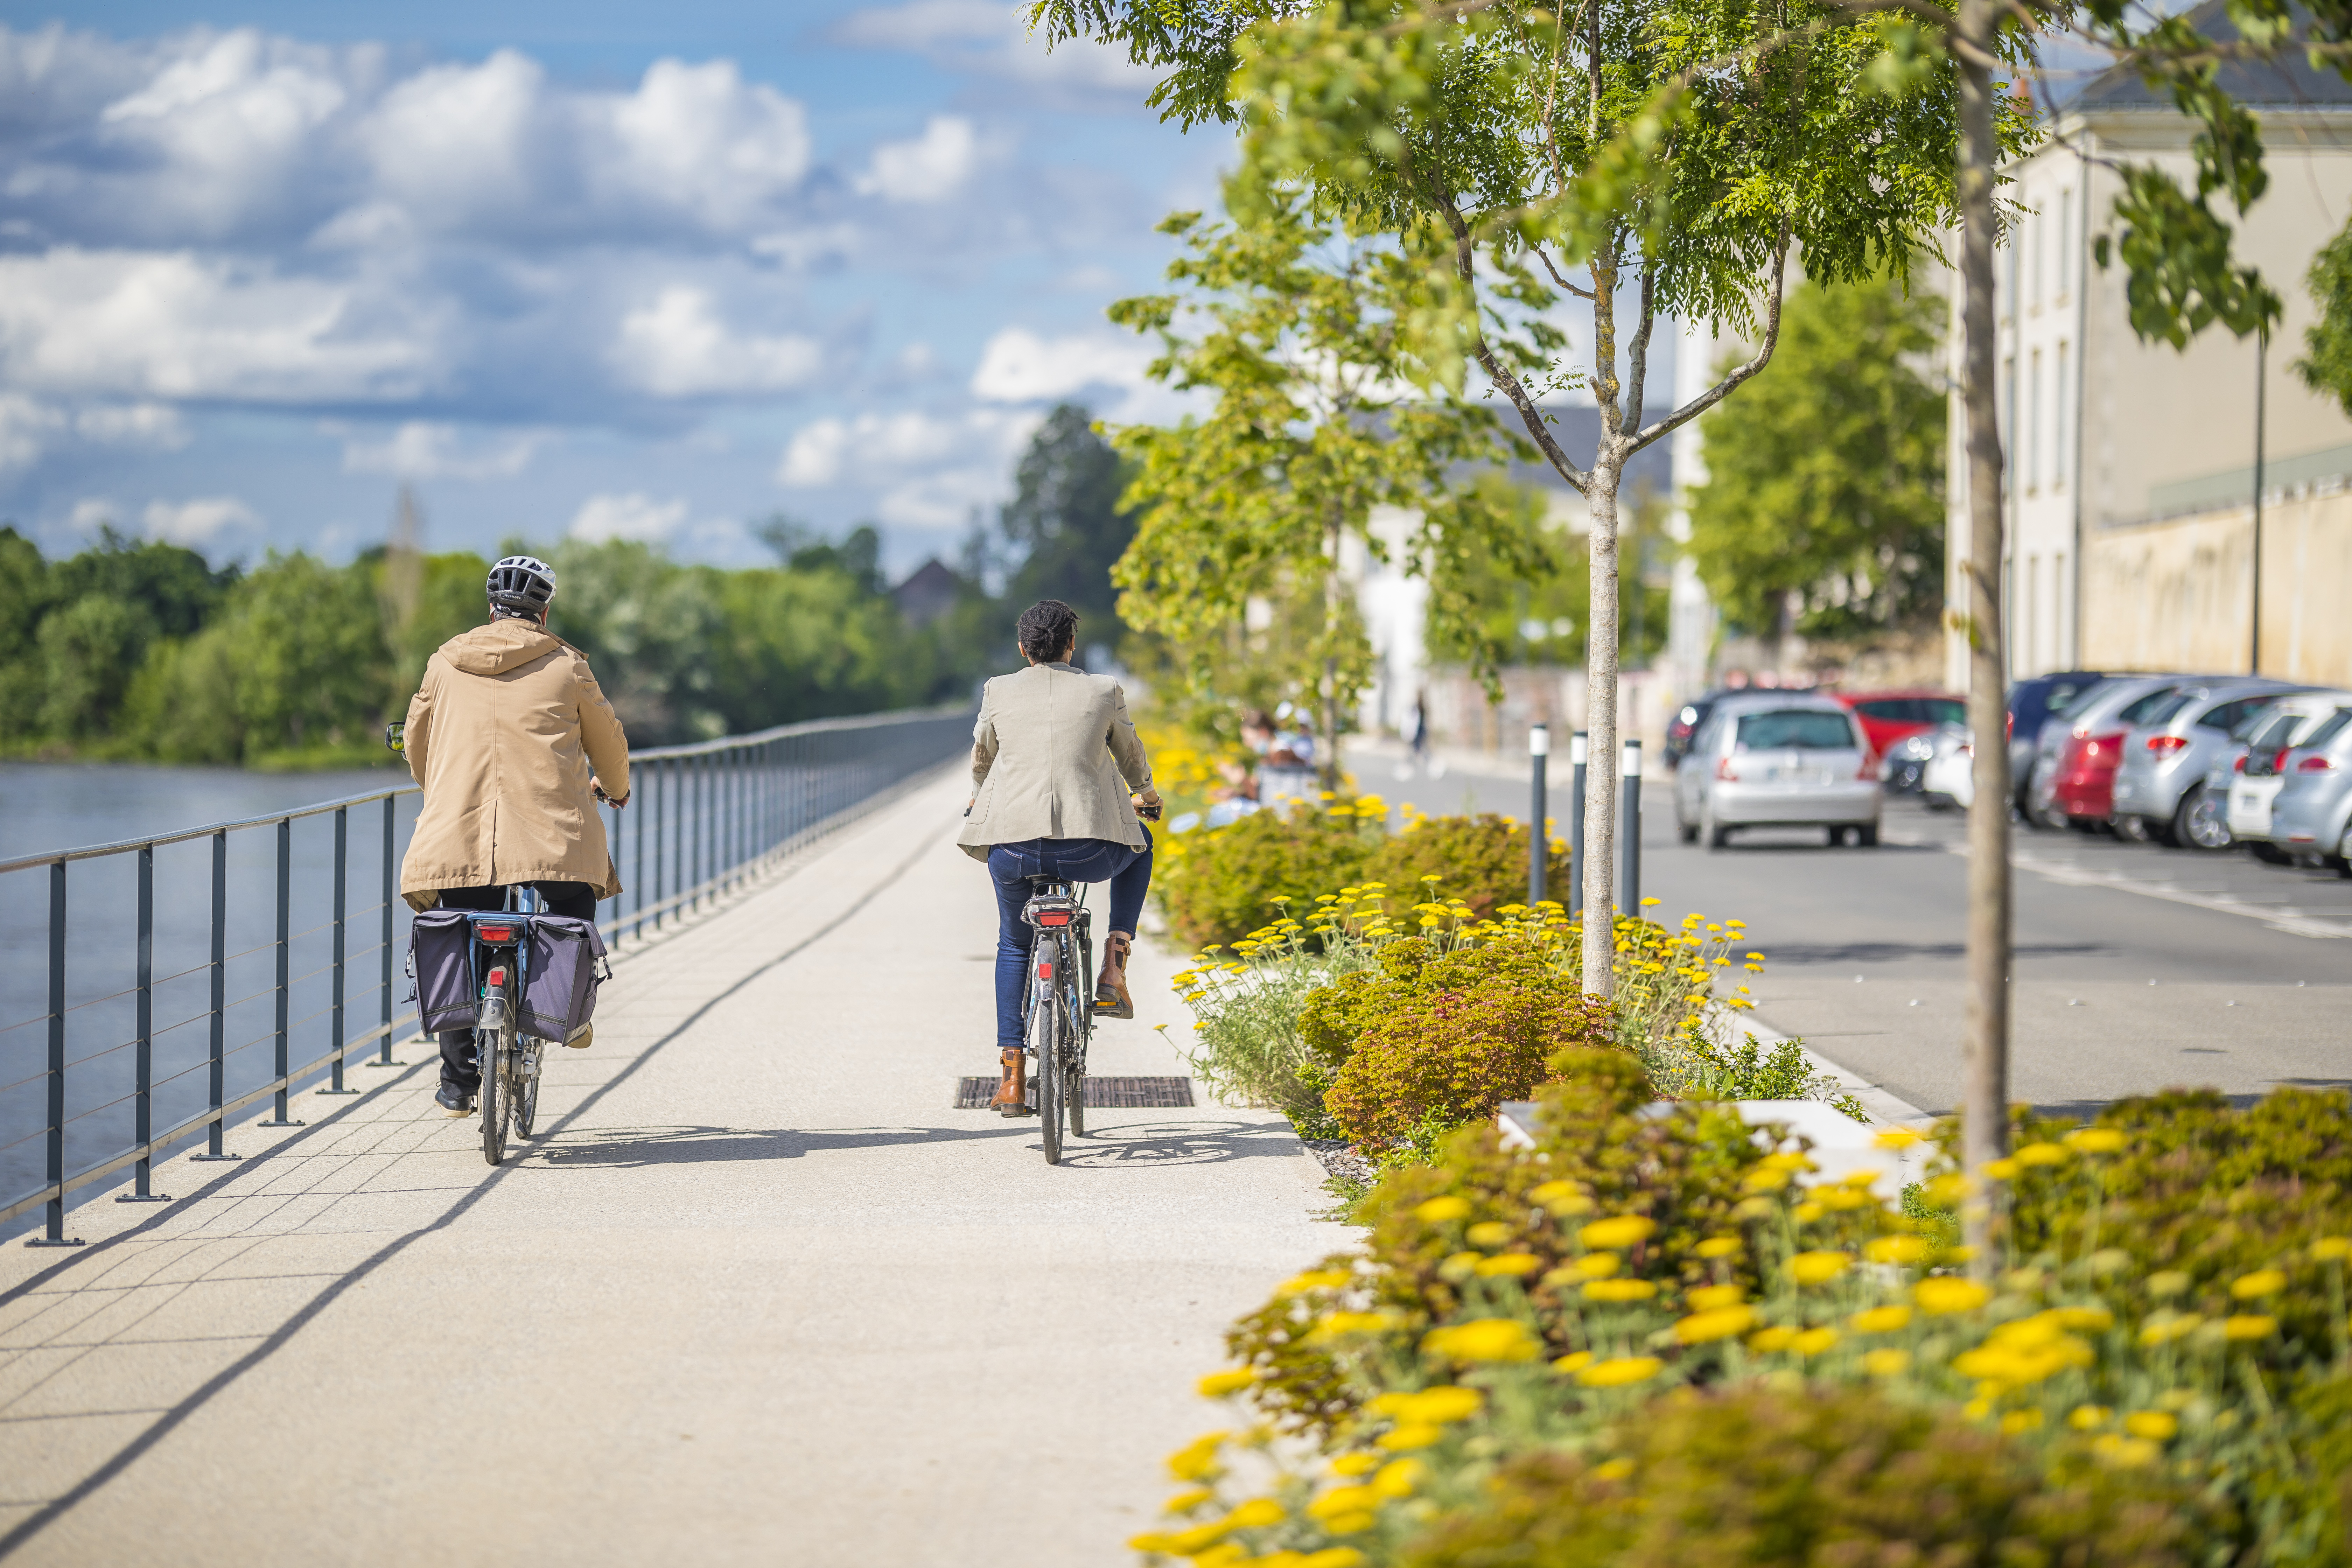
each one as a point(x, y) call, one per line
point(560, 977)
point(441, 962)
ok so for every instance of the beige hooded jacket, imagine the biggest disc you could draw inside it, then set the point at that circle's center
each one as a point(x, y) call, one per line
point(507, 734)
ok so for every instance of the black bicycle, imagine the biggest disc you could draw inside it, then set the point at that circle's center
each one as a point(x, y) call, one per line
point(509, 1061)
point(1061, 1012)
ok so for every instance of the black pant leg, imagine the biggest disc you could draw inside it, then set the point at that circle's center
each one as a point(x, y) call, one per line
point(573, 901)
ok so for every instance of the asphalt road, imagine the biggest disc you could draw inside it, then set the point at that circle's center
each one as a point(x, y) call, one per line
point(2137, 968)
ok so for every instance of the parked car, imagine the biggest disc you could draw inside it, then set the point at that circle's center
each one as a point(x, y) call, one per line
point(1888, 716)
point(2254, 785)
point(1777, 758)
point(1949, 781)
point(2032, 703)
point(1904, 769)
point(2159, 783)
point(2076, 786)
point(2312, 814)
point(1686, 723)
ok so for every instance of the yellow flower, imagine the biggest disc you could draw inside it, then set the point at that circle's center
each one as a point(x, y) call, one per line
point(1488, 1232)
point(2249, 1326)
point(1340, 1501)
point(1332, 1325)
point(2095, 1140)
point(2017, 1422)
point(1897, 1138)
point(1614, 1470)
point(2092, 1319)
point(2026, 1352)
point(2127, 1453)
point(1619, 1371)
point(1441, 1406)
point(1217, 1384)
point(1886, 1362)
point(1517, 1265)
point(1946, 1294)
point(2168, 1282)
point(2156, 1425)
point(1313, 1280)
point(1620, 1291)
point(1438, 1211)
point(1772, 1341)
point(2043, 1154)
point(2259, 1283)
point(2331, 1249)
point(1355, 1464)
point(2002, 1170)
point(1185, 1501)
point(1398, 1477)
point(1718, 1247)
point(1596, 1265)
point(1896, 1250)
point(2166, 1326)
point(1483, 1339)
point(1255, 1514)
point(1576, 1361)
point(1807, 1211)
point(1764, 1179)
point(1881, 1319)
point(1713, 1298)
point(1405, 1438)
point(1197, 1460)
point(2086, 1417)
point(1813, 1341)
point(1818, 1267)
point(1563, 1200)
point(1617, 1234)
point(1715, 1323)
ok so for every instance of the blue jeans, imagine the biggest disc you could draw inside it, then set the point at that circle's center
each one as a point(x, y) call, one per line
point(1128, 872)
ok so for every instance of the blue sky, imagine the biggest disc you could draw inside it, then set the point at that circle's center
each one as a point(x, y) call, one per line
point(582, 270)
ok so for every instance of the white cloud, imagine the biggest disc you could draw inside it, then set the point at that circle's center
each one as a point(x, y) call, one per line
point(26, 426)
point(91, 513)
point(698, 137)
point(1018, 366)
point(813, 459)
point(992, 39)
point(678, 347)
point(932, 469)
point(133, 424)
point(199, 524)
point(634, 516)
point(930, 168)
point(29, 426)
point(178, 326)
point(423, 450)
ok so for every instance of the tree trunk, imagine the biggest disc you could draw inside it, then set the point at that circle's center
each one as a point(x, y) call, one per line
point(1601, 732)
point(1333, 591)
point(1985, 1113)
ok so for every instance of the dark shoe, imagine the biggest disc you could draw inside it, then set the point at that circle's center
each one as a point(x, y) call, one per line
point(1012, 1092)
point(1111, 1000)
point(456, 1101)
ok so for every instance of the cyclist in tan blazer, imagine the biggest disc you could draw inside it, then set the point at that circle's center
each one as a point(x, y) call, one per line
point(1054, 759)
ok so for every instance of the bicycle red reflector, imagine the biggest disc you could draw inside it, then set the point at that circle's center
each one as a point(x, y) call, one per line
point(1053, 918)
point(495, 933)
point(497, 977)
point(1045, 970)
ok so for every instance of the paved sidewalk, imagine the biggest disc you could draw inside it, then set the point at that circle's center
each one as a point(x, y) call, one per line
point(756, 1294)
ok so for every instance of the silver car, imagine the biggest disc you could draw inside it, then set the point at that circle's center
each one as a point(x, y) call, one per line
point(2312, 814)
point(1778, 760)
point(2257, 773)
point(2110, 705)
point(2159, 789)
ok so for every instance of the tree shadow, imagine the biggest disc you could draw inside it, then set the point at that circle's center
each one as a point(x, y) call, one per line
point(1889, 952)
point(630, 1147)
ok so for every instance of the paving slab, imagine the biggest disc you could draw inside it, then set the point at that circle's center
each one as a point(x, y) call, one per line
point(755, 1294)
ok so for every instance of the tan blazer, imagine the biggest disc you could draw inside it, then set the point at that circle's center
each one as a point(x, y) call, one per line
point(506, 733)
point(1048, 754)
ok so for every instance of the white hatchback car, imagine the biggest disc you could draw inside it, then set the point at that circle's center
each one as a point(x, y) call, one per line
point(2254, 782)
point(1777, 758)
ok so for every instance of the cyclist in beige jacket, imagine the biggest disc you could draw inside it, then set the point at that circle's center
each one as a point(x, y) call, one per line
point(514, 743)
point(1053, 756)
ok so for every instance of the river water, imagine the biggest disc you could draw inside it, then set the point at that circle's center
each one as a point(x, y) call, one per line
point(45, 806)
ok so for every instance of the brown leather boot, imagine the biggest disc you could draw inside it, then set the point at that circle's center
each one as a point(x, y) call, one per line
point(1012, 1094)
point(1111, 1000)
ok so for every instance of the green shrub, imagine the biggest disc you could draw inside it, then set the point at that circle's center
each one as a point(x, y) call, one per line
point(1219, 884)
point(1755, 1478)
point(1481, 860)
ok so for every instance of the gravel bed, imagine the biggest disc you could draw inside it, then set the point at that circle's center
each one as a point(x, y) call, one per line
point(1338, 1158)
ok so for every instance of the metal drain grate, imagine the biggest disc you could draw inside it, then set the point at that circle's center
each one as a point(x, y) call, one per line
point(1102, 1093)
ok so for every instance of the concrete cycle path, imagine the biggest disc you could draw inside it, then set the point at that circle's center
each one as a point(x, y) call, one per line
point(755, 1294)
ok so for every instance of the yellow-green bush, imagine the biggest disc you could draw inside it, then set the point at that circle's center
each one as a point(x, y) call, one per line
point(1481, 860)
point(1218, 884)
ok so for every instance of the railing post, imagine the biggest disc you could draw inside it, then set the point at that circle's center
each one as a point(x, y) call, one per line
point(644, 806)
point(54, 1232)
point(391, 892)
point(142, 1103)
point(218, 1058)
point(285, 965)
point(343, 922)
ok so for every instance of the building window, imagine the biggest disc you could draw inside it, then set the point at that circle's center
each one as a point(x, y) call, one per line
point(2007, 394)
point(2032, 463)
point(2065, 240)
point(2034, 227)
point(2061, 440)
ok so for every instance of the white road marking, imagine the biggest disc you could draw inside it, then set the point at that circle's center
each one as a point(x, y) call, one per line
point(2283, 918)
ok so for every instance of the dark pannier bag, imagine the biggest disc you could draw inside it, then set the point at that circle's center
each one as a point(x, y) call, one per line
point(441, 962)
point(565, 966)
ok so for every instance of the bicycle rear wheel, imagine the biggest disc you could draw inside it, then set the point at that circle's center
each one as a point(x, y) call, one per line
point(1046, 1040)
point(495, 1050)
point(528, 1059)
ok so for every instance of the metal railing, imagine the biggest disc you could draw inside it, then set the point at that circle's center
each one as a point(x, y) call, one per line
point(702, 820)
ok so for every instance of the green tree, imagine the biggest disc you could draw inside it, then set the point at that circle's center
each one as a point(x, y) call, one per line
point(1316, 421)
point(170, 584)
point(312, 672)
point(1649, 157)
point(25, 593)
point(89, 649)
point(1065, 525)
point(806, 644)
point(1825, 484)
point(646, 624)
point(2326, 364)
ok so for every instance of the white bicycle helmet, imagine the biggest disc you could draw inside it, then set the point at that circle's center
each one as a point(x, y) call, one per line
point(522, 584)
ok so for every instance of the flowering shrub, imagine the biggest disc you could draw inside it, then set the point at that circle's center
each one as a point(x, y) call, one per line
point(1482, 859)
point(1218, 883)
point(1509, 1345)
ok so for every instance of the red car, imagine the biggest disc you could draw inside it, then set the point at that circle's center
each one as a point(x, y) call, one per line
point(1888, 716)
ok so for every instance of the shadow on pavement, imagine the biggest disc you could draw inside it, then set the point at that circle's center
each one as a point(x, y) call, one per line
point(1888, 952)
point(631, 1146)
point(1201, 1142)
